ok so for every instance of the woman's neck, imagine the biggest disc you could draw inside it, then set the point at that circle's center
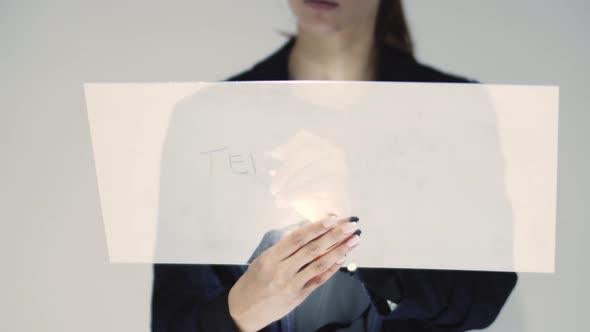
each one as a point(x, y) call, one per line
point(340, 56)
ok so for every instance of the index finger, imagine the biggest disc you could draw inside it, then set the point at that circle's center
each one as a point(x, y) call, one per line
point(302, 236)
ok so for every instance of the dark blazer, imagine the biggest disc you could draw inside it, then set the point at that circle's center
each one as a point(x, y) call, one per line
point(194, 297)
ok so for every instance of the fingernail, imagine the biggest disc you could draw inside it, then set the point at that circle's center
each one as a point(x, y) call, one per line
point(341, 260)
point(353, 241)
point(329, 221)
point(354, 219)
point(349, 227)
point(358, 232)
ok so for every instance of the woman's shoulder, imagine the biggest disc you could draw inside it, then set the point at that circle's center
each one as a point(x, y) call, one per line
point(274, 67)
point(428, 73)
point(246, 75)
point(400, 66)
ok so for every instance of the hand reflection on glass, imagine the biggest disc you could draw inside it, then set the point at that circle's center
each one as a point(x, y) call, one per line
point(312, 177)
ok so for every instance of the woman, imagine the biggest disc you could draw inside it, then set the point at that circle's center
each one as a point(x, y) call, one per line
point(365, 40)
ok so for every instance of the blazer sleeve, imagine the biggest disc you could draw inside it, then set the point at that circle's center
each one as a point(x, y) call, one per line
point(187, 297)
point(190, 298)
point(444, 300)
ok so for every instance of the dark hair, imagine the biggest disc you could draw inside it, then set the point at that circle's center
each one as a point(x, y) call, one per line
point(392, 27)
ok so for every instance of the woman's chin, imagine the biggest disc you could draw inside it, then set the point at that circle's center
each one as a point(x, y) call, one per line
point(319, 28)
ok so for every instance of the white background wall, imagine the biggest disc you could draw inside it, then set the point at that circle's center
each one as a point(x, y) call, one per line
point(55, 275)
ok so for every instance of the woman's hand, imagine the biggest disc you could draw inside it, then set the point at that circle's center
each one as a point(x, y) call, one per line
point(283, 276)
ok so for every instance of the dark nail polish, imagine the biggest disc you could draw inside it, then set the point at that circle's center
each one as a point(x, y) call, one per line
point(354, 219)
point(357, 232)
